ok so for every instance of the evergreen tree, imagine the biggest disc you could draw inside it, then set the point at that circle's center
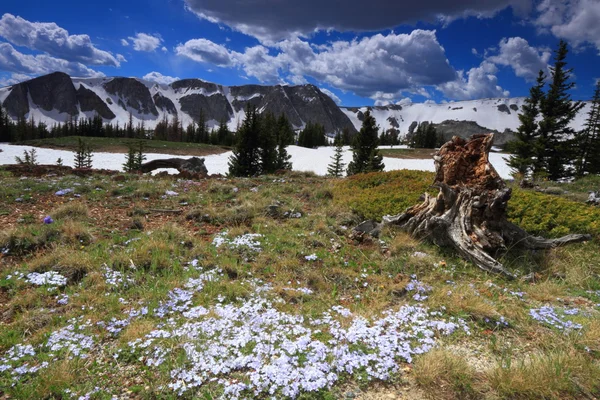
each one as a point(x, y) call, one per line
point(224, 137)
point(555, 150)
point(268, 143)
point(202, 134)
point(425, 137)
point(135, 157)
point(83, 155)
point(588, 139)
point(4, 126)
point(245, 160)
point(365, 156)
point(336, 168)
point(130, 132)
point(285, 132)
point(525, 146)
point(313, 135)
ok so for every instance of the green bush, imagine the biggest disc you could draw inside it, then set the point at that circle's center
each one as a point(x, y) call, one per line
point(379, 193)
point(373, 195)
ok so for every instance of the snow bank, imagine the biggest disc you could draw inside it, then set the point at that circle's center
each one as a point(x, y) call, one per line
point(303, 159)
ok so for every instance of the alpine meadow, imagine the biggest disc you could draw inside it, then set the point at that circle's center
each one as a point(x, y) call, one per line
point(300, 200)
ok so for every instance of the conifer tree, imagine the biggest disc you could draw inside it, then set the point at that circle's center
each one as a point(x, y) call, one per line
point(336, 168)
point(245, 160)
point(268, 143)
point(524, 148)
point(588, 139)
point(224, 137)
point(555, 151)
point(366, 157)
point(83, 155)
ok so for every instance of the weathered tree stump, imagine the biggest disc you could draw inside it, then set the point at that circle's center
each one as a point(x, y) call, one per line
point(193, 166)
point(469, 212)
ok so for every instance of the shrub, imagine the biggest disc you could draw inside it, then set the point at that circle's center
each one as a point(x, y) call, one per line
point(379, 193)
point(376, 194)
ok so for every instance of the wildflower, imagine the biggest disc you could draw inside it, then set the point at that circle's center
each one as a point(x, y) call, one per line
point(48, 220)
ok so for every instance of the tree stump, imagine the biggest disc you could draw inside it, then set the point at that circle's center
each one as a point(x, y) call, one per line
point(192, 166)
point(469, 212)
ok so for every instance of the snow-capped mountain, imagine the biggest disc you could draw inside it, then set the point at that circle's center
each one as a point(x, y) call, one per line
point(463, 118)
point(57, 97)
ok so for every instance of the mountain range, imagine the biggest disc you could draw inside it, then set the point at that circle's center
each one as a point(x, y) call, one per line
point(57, 97)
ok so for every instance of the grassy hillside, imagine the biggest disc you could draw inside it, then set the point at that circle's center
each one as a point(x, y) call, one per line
point(146, 287)
point(121, 145)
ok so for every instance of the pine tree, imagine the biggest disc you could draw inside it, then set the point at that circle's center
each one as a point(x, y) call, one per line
point(555, 152)
point(336, 168)
point(365, 156)
point(245, 160)
point(524, 148)
point(224, 137)
point(588, 139)
point(130, 133)
point(268, 143)
point(129, 165)
point(83, 155)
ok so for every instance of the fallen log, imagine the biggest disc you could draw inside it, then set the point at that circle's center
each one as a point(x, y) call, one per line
point(192, 166)
point(469, 212)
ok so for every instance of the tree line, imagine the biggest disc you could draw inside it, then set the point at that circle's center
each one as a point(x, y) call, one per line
point(546, 146)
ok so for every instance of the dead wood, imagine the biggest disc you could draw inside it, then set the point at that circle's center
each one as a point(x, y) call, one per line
point(469, 212)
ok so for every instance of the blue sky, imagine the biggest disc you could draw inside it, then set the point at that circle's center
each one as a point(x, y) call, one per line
point(361, 53)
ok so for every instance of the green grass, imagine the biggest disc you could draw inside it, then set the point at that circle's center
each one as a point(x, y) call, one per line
point(120, 145)
point(522, 359)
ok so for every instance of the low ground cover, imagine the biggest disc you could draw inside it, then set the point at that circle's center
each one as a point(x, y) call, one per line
point(133, 286)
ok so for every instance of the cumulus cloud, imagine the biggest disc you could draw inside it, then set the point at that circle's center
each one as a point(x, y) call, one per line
point(205, 51)
point(145, 42)
point(333, 96)
point(480, 82)
point(12, 60)
point(124, 42)
point(525, 60)
point(50, 38)
point(255, 18)
point(121, 58)
point(14, 79)
point(380, 66)
point(573, 20)
point(160, 78)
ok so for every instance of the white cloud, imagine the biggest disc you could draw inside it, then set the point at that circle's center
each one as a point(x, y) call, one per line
point(407, 101)
point(164, 49)
point(50, 38)
point(13, 61)
point(429, 102)
point(379, 66)
point(124, 42)
point(14, 79)
point(480, 82)
point(121, 58)
point(205, 51)
point(574, 20)
point(333, 96)
point(159, 78)
point(525, 60)
point(474, 51)
point(255, 18)
point(145, 42)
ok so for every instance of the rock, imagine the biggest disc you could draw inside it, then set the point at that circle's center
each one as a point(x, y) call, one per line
point(369, 227)
point(214, 107)
point(164, 103)
point(89, 101)
point(133, 94)
point(503, 108)
point(593, 198)
point(49, 92)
